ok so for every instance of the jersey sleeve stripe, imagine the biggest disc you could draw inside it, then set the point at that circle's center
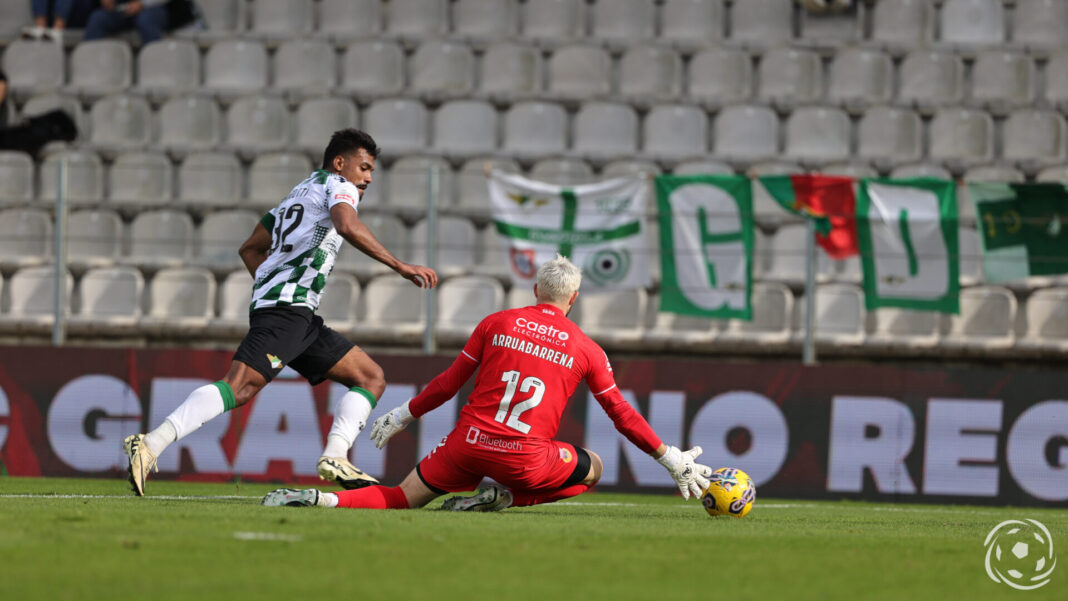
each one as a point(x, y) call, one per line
point(604, 391)
point(464, 353)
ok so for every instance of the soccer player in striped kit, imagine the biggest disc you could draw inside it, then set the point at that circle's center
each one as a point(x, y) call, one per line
point(290, 254)
point(529, 362)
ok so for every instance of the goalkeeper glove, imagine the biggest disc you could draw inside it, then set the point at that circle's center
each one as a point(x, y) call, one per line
point(389, 424)
point(691, 477)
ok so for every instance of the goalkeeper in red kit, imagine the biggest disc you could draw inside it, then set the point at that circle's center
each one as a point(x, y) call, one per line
point(528, 362)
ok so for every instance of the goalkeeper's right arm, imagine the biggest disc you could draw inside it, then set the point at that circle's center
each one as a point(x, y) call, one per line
point(441, 388)
point(691, 477)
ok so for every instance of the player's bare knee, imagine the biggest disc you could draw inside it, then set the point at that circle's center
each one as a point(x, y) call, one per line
point(244, 382)
point(374, 380)
point(358, 369)
point(596, 467)
point(244, 392)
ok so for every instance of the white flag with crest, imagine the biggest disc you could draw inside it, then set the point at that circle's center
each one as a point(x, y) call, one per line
point(600, 227)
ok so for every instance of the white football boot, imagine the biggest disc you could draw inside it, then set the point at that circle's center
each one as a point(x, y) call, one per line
point(142, 461)
point(490, 497)
point(291, 497)
point(340, 470)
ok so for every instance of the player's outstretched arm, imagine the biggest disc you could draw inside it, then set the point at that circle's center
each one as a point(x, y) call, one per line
point(690, 476)
point(355, 232)
point(441, 388)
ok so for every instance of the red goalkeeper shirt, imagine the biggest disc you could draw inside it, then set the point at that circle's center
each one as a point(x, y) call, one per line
point(529, 362)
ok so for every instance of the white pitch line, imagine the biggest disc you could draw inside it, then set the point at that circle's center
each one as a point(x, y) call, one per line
point(966, 510)
point(239, 497)
point(943, 510)
point(271, 536)
point(231, 497)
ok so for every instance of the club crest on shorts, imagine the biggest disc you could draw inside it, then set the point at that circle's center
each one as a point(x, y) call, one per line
point(276, 363)
point(565, 455)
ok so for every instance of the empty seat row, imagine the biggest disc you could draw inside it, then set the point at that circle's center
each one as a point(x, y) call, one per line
point(685, 21)
point(115, 301)
point(168, 238)
point(138, 179)
point(690, 22)
point(184, 124)
point(597, 131)
point(492, 19)
point(99, 238)
point(999, 79)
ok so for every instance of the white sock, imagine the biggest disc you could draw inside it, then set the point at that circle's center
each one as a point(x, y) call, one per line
point(161, 437)
point(350, 418)
point(202, 405)
point(327, 499)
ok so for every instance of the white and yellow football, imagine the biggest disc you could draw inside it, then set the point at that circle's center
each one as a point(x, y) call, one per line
point(730, 492)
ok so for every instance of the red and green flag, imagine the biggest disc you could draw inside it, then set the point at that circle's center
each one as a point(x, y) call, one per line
point(830, 200)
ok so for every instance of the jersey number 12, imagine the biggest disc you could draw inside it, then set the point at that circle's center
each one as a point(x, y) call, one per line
point(530, 382)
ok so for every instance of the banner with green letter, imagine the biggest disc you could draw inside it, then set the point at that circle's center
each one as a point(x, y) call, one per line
point(907, 231)
point(598, 226)
point(706, 245)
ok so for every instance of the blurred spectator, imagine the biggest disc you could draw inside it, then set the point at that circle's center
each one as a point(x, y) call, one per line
point(151, 18)
point(3, 99)
point(32, 134)
point(52, 17)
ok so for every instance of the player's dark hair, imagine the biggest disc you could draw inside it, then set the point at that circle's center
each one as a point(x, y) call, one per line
point(347, 141)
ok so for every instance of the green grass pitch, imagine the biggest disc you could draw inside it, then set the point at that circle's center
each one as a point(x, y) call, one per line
point(90, 539)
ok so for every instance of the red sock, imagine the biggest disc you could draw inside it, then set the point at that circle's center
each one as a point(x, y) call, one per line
point(524, 499)
point(373, 497)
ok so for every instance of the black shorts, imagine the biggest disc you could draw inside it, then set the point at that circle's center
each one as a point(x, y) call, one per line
point(293, 336)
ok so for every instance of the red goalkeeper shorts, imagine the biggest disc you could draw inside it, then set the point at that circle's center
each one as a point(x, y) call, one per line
point(466, 456)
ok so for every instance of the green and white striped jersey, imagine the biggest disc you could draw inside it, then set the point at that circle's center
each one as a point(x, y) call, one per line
point(304, 243)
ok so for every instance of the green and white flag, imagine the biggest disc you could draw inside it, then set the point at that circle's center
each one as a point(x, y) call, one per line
point(907, 231)
point(598, 226)
point(1024, 228)
point(706, 245)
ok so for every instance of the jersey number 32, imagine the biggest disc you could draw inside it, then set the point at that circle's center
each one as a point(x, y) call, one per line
point(293, 217)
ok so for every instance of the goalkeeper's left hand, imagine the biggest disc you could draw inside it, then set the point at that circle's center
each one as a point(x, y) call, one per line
point(690, 476)
point(389, 424)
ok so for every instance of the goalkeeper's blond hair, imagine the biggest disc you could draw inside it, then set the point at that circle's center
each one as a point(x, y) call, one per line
point(558, 279)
